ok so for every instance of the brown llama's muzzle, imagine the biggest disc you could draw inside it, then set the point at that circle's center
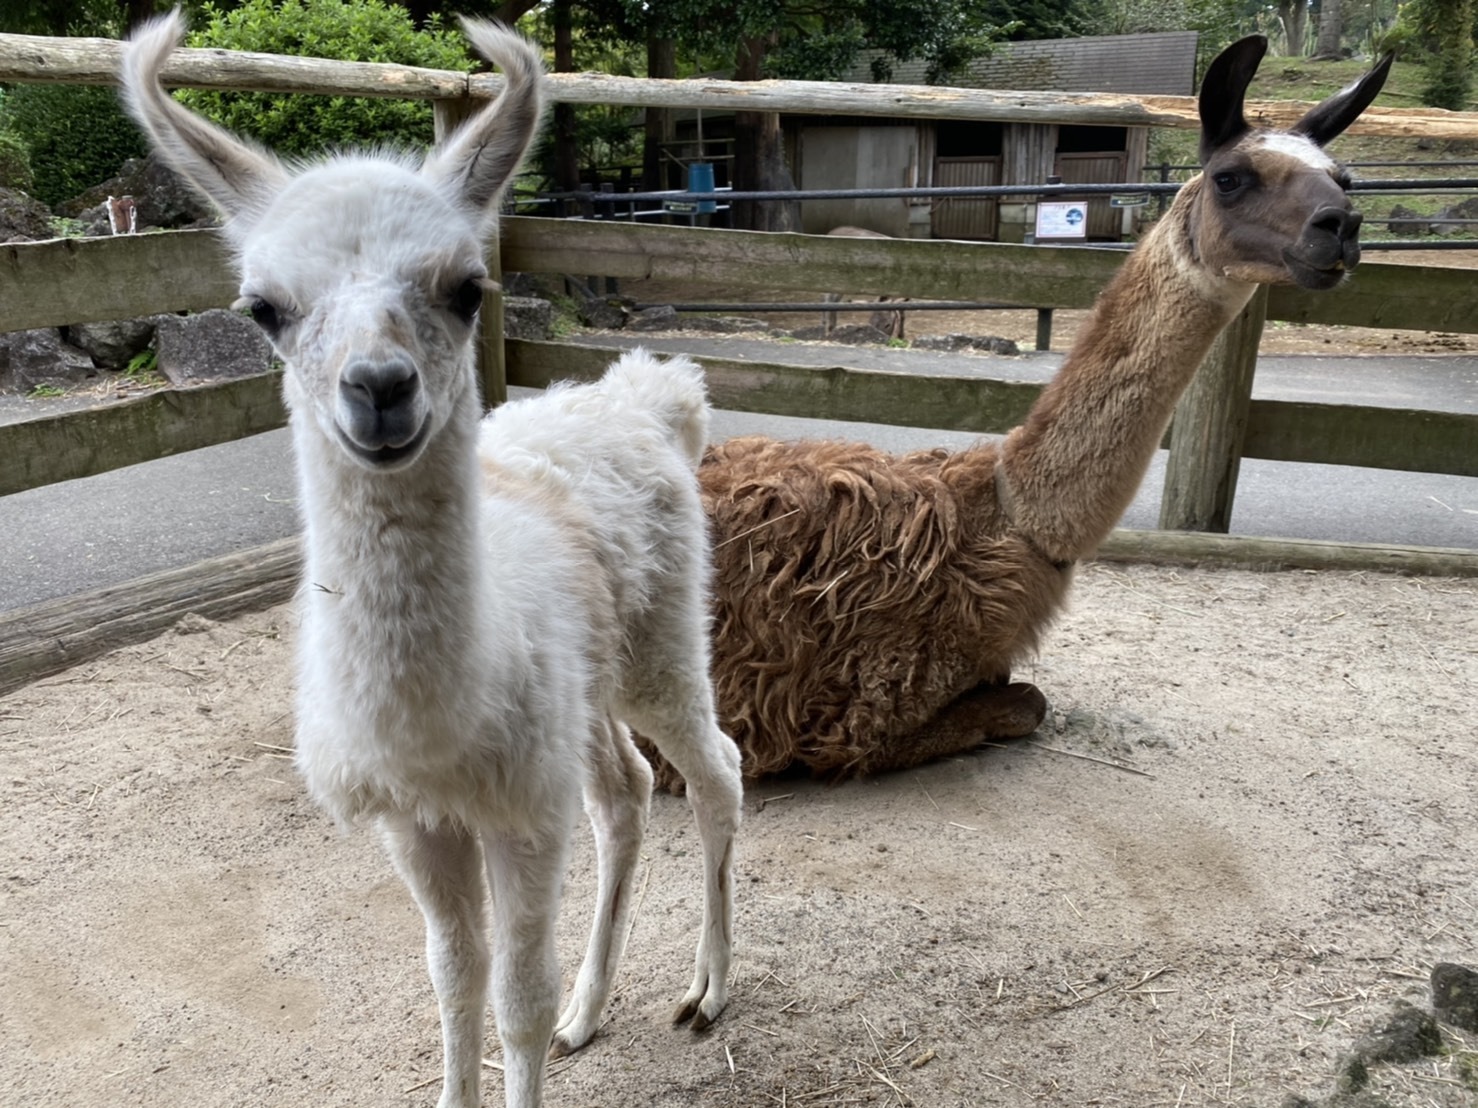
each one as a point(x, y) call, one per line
point(1327, 249)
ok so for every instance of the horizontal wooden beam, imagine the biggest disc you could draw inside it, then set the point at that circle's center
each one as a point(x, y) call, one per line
point(1244, 551)
point(1328, 434)
point(1357, 435)
point(1401, 297)
point(831, 393)
point(64, 281)
point(95, 61)
point(108, 436)
point(1416, 298)
point(933, 269)
point(28, 58)
point(47, 638)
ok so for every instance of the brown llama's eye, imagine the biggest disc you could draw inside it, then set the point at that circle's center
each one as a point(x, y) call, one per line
point(1227, 183)
point(467, 299)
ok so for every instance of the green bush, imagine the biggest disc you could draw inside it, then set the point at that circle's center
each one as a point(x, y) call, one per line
point(359, 30)
point(15, 163)
point(75, 136)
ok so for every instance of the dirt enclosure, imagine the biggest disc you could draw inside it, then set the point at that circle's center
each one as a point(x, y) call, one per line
point(1249, 827)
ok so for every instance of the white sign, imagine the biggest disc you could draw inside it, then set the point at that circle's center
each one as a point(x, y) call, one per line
point(1062, 219)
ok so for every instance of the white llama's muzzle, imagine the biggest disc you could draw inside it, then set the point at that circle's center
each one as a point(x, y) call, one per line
point(381, 413)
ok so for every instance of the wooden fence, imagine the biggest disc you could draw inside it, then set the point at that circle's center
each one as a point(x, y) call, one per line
point(74, 281)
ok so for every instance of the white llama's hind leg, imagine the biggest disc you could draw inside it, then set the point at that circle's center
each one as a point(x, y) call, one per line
point(617, 798)
point(525, 877)
point(444, 872)
point(680, 720)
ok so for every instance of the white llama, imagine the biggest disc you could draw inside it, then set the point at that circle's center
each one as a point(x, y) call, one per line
point(483, 612)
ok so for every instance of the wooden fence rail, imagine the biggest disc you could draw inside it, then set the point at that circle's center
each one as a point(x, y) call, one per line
point(33, 58)
point(73, 281)
point(66, 282)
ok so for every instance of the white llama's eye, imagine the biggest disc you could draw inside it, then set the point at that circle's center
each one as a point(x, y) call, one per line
point(264, 315)
point(467, 299)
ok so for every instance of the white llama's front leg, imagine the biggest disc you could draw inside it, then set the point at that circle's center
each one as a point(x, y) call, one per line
point(618, 797)
point(442, 869)
point(525, 878)
point(687, 733)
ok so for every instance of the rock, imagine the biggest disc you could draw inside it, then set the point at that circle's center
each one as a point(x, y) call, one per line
point(664, 317)
point(160, 197)
point(41, 357)
point(211, 346)
point(608, 313)
point(1455, 995)
point(23, 219)
point(1402, 212)
point(526, 317)
point(990, 344)
point(112, 345)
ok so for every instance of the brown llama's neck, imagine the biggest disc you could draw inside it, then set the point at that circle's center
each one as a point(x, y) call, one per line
point(1073, 467)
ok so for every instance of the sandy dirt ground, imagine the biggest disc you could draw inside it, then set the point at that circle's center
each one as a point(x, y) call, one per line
point(1249, 826)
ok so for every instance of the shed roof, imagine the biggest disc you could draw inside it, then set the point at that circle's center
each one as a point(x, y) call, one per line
point(1156, 63)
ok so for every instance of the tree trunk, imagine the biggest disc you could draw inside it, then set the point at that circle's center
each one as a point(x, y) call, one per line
point(759, 154)
point(661, 123)
point(566, 155)
point(1331, 27)
point(1294, 16)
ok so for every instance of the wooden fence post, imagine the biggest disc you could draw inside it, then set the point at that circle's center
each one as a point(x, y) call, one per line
point(492, 366)
point(1210, 427)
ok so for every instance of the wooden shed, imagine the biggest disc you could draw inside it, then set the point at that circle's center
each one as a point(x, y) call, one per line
point(845, 152)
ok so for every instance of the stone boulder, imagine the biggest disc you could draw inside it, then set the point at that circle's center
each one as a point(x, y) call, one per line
point(23, 219)
point(212, 346)
point(41, 357)
point(160, 197)
point(112, 344)
point(527, 317)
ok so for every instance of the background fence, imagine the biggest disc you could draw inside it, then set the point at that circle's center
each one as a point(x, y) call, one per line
point(70, 281)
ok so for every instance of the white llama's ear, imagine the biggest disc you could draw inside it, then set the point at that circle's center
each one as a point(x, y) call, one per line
point(1328, 119)
point(238, 177)
point(476, 163)
point(1223, 92)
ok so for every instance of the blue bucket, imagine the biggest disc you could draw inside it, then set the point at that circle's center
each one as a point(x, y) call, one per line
point(700, 179)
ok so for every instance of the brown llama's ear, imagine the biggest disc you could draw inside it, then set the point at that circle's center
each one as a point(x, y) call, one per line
point(475, 164)
point(1223, 91)
point(1330, 118)
point(238, 177)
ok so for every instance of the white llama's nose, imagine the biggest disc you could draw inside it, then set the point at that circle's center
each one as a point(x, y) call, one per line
point(379, 402)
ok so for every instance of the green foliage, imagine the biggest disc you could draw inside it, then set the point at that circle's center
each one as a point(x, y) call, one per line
point(1443, 29)
point(356, 30)
point(142, 365)
point(76, 136)
point(15, 163)
point(46, 392)
point(62, 17)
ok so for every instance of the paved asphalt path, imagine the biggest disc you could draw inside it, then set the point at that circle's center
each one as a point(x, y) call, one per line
point(67, 538)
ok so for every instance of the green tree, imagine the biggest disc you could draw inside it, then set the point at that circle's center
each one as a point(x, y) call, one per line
point(357, 30)
point(1448, 27)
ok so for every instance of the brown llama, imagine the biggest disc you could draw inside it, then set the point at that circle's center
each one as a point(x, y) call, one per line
point(871, 607)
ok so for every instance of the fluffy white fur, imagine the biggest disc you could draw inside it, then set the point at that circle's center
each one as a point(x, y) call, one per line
point(487, 603)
